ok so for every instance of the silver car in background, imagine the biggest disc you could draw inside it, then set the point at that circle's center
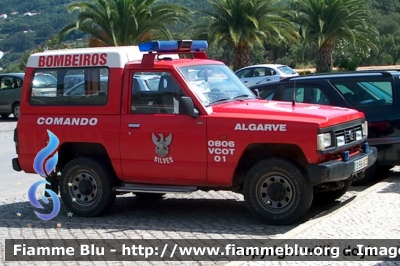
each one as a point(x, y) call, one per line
point(10, 94)
point(259, 74)
point(44, 85)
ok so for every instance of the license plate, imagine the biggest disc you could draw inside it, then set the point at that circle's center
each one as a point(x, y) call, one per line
point(360, 164)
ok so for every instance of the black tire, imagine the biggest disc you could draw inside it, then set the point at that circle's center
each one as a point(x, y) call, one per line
point(149, 196)
point(5, 115)
point(277, 192)
point(16, 110)
point(86, 186)
point(330, 196)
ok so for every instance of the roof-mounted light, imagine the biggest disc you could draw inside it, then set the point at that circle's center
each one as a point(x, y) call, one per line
point(173, 46)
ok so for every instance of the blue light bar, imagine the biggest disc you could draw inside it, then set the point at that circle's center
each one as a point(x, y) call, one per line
point(173, 46)
point(199, 45)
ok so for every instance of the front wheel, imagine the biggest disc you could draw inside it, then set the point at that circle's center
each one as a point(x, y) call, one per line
point(86, 186)
point(277, 191)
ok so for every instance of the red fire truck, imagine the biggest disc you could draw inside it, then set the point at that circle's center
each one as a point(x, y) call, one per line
point(163, 118)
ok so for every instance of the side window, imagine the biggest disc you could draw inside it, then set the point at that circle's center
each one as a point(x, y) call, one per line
point(320, 97)
point(268, 93)
point(70, 87)
point(71, 80)
point(288, 94)
point(7, 83)
point(245, 73)
point(269, 72)
point(162, 96)
point(17, 82)
point(306, 94)
point(258, 72)
point(366, 93)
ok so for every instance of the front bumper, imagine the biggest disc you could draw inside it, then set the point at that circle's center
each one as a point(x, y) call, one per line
point(339, 170)
point(15, 164)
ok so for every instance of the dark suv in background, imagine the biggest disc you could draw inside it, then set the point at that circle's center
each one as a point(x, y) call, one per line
point(374, 92)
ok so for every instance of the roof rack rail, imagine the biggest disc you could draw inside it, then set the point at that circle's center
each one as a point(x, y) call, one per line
point(384, 72)
point(381, 69)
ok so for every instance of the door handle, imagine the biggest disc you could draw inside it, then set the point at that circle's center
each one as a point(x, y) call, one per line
point(134, 125)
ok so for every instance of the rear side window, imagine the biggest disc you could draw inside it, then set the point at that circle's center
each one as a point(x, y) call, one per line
point(287, 70)
point(70, 87)
point(366, 93)
point(9, 83)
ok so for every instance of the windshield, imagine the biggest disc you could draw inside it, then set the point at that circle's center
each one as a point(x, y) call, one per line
point(215, 83)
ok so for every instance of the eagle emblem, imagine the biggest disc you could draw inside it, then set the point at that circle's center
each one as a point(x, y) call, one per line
point(162, 148)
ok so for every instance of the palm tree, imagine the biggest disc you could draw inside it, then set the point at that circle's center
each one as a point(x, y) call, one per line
point(243, 23)
point(125, 22)
point(327, 23)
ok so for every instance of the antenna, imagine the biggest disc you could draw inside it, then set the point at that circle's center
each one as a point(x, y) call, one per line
point(294, 94)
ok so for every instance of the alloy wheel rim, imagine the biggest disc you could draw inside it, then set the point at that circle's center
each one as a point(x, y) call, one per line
point(17, 111)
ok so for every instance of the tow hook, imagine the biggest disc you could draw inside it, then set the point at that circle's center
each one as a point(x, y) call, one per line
point(358, 176)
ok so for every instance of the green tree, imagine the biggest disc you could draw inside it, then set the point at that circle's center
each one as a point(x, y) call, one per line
point(52, 43)
point(327, 22)
point(391, 46)
point(241, 24)
point(124, 22)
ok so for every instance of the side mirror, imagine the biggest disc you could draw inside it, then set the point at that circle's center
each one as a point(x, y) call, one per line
point(186, 107)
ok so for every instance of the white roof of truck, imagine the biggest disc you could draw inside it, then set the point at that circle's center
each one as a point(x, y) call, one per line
point(81, 57)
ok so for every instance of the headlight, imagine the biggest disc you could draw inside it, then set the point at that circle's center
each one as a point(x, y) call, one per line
point(340, 141)
point(323, 141)
point(364, 128)
point(359, 135)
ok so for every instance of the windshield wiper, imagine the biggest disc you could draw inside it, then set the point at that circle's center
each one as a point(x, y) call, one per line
point(231, 98)
point(241, 96)
point(221, 100)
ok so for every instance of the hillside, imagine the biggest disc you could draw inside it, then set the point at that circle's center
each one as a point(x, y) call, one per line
point(25, 24)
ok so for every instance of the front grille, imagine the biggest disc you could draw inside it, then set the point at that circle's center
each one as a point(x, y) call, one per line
point(349, 133)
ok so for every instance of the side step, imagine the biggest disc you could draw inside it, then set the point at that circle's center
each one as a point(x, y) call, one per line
point(127, 187)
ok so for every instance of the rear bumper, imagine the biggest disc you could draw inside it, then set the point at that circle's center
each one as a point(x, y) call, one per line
point(339, 170)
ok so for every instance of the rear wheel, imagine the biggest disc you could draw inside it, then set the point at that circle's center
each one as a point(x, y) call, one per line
point(16, 109)
point(277, 191)
point(86, 186)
